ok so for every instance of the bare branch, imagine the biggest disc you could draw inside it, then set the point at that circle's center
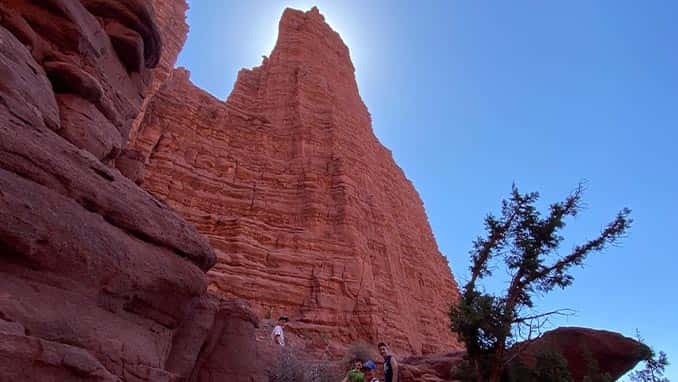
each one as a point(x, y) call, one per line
point(559, 312)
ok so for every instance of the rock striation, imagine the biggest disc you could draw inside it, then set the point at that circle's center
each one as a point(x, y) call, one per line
point(99, 280)
point(308, 213)
point(299, 206)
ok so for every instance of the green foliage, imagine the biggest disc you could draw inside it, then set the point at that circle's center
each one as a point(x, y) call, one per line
point(527, 243)
point(550, 366)
point(593, 373)
point(463, 371)
point(654, 366)
point(653, 370)
point(598, 377)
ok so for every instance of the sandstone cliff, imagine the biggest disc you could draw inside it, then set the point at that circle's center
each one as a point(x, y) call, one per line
point(102, 281)
point(99, 280)
point(308, 212)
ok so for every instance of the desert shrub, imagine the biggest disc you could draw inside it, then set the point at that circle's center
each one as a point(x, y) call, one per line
point(655, 364)
point(286, 368)
point(464, 371)
point(594, 374)
point(323, 372)
point(550, 366)
point(290, 367)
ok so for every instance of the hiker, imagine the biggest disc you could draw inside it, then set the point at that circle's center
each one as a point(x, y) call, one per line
point(391, 369)
point(355, 374)
point(370, 369)
point(278, 335)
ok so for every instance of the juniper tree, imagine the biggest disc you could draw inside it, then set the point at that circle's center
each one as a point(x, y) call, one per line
point(653, 370)
point(527, 243)
point(654, 365)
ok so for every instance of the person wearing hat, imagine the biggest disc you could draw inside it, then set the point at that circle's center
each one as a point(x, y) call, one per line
point(278, 334)
point(370, 369)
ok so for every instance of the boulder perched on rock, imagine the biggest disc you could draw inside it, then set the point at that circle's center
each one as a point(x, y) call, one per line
point(583, 350)
point(587, 350)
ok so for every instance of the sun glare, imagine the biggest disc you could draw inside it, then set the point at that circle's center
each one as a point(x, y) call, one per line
point(266, 28)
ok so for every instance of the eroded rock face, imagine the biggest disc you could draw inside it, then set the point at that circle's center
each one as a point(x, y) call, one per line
point(99, 280)
point(170, 17)
point(308, 212)
point(584, 351)
point(585, 348)
point(430, 368)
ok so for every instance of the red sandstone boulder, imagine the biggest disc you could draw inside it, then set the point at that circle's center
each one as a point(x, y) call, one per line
point(130, 163)
point(230, 352)
point(430, 368)
point(581, 347)
point(27, 358)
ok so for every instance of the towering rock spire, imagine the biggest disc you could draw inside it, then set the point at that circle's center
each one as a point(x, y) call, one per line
point(308, 212)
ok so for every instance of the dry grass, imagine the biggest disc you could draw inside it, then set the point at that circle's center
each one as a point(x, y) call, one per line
point(292, 368)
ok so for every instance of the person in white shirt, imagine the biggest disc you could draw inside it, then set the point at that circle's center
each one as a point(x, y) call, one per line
point(278, 334)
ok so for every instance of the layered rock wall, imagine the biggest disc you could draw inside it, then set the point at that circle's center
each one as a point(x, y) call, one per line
point(102, 281)
point(308, 212)
point(99, 280)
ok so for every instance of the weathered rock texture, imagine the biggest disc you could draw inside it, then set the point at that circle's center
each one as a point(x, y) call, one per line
point(171, 20)
point(582, 349)
point(308, 212)
point(99, 280)
point(102, 281)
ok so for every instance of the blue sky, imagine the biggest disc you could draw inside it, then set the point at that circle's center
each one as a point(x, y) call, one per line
point(473, 95)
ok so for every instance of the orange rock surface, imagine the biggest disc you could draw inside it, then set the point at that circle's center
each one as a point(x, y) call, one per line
point(308, 213)
point(99, 280)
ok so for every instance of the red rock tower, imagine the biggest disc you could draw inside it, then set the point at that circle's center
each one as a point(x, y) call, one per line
point(308, 212)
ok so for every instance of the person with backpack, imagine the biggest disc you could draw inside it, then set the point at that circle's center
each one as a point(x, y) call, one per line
point(391, 369)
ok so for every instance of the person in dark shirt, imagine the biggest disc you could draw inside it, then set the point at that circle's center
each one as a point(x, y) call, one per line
point(391, 369)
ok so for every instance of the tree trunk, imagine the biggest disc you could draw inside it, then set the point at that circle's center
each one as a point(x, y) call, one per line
point(479, 374)
point(498, 365)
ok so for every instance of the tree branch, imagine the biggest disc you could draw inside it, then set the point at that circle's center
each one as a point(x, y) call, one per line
point(560, 312)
